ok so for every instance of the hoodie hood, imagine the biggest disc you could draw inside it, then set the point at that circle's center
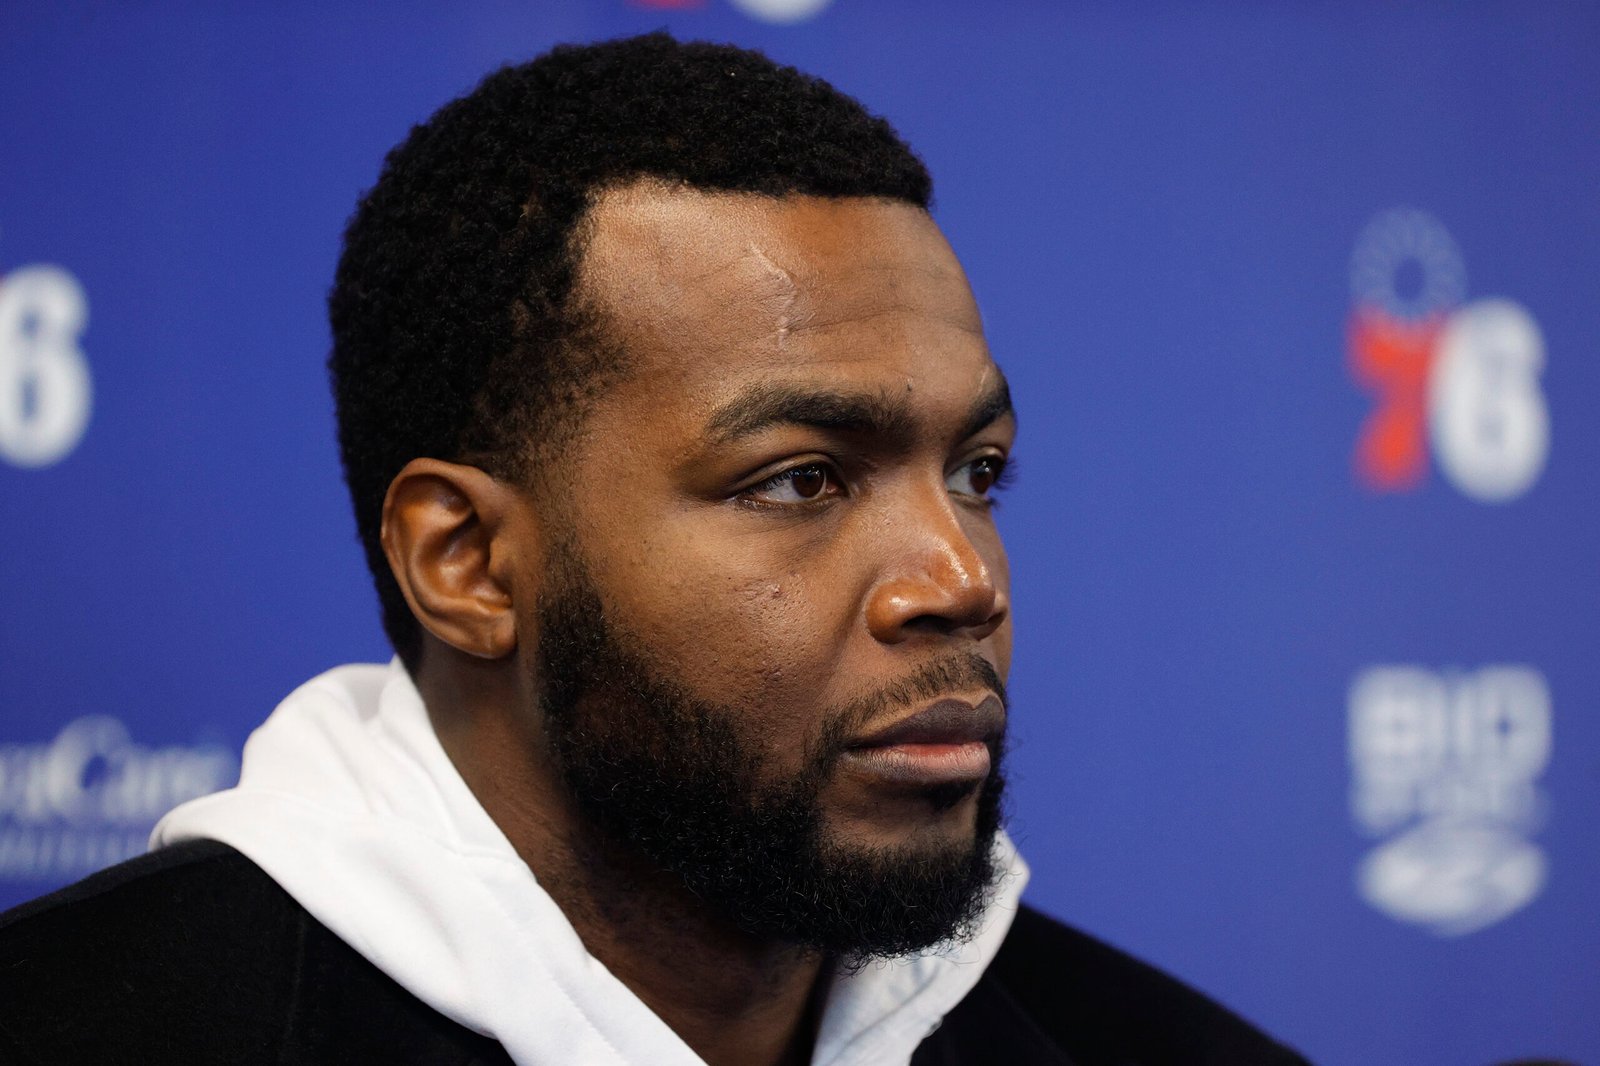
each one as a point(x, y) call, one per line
point(348, 801)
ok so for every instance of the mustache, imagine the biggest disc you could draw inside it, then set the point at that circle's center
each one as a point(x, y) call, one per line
point(938, 677)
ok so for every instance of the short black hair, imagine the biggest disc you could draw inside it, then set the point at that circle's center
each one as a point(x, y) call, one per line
point(455, 335)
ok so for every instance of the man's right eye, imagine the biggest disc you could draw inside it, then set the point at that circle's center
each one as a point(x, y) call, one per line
point(808, 483)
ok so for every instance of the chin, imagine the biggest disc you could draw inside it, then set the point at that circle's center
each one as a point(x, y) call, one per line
point(935, 826)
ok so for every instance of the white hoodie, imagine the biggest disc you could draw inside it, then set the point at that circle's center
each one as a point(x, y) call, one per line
point(348, 801)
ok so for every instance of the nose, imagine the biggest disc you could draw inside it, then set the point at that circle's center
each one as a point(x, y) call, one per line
point(934, 578)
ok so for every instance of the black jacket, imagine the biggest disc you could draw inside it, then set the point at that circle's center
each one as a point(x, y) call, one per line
point(194, 956)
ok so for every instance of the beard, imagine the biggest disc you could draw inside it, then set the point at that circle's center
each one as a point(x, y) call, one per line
point(664, 777)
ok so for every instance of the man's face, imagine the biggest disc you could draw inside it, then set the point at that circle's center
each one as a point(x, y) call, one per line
point(773, 640)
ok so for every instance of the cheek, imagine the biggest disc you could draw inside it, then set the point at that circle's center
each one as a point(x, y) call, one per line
point(775, 618)
point(735, 629)
point(1002, 651)
point(994, 553)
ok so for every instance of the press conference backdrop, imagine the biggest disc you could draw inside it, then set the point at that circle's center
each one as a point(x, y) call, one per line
point(1301, 307)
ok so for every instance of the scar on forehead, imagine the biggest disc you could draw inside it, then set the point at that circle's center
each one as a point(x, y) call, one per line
point(786, 295)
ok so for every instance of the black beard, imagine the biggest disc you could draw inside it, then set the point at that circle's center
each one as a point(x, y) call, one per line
point(669, 778)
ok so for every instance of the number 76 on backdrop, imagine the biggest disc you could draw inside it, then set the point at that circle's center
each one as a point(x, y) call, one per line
point(45, 388)
point(1459, 380)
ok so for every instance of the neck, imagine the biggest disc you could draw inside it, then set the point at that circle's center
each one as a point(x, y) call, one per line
point(733, 998)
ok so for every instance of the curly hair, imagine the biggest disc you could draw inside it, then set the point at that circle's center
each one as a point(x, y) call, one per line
point(456, 331)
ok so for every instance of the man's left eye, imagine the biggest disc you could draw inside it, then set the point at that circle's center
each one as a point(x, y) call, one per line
point(979, 477)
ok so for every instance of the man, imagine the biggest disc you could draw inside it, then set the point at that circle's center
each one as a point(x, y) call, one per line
point(672, 438)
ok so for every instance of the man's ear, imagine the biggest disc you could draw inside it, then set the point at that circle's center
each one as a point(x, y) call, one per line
point(453, 536)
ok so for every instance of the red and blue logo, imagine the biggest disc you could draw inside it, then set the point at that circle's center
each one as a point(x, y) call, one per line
point(1455, 382)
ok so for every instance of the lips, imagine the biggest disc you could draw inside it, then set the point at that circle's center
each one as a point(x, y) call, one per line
point(946, 743)
point(949, 721)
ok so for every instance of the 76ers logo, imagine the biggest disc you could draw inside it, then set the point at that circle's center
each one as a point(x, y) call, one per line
point(1463, 379)
point(45, 388)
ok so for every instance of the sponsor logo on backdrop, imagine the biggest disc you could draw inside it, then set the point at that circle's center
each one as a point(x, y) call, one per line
point(90, 797)
point(1445, 772)
point(1459, 382)
point(45, 390)
point(765, 10)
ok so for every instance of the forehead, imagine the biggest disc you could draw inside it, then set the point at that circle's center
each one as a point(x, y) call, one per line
point(708, 292)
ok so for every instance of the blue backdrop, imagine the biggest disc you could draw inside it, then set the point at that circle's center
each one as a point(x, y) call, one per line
point(1299, 305)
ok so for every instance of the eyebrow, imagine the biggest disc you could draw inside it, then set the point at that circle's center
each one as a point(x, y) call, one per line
point(993, 404)
point(764, 406)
